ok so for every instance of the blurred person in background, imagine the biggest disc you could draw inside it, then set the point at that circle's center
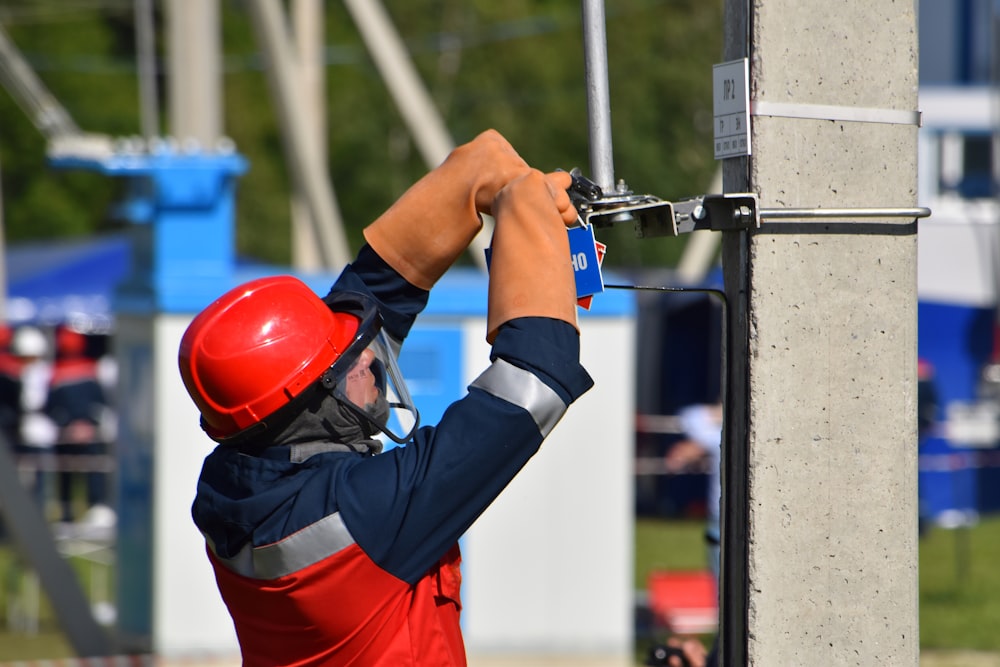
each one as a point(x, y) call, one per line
point(701, 450)
point(77, 405)
point(927, 408)
point(10, 390)
point(32, 348)
point(10, 396)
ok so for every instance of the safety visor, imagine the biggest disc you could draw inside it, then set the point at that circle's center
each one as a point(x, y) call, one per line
point(366, 377)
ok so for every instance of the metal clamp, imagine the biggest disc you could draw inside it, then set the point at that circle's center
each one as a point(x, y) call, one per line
point(737, 210)
point(655, 217)
point(650, 215)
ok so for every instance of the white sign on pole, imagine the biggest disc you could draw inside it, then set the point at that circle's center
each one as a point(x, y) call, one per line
point(731, 108)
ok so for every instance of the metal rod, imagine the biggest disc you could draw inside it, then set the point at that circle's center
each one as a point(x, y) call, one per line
point(145, 37)
point(49, 116)
point(799, 213)
point(595, 51)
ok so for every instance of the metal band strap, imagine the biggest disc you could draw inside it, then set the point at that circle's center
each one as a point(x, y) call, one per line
point(301, 549)
point(834, 112)
point(522, 388)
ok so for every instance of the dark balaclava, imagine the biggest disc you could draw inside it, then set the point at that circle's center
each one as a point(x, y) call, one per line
point(321, 418)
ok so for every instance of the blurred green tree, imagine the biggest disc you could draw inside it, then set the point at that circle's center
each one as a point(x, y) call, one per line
point(516, 66)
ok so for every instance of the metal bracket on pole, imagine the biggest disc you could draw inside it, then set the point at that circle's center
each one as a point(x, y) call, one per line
point(655, 217)
point(718, 213)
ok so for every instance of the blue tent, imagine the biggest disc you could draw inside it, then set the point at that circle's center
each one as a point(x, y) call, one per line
point(75, 280)
point(66, 280)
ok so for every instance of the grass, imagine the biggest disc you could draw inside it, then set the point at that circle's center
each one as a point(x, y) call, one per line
point(48, 644)
point(959, 581)
point(960, 587)
point(676, 544)
point(17, 640)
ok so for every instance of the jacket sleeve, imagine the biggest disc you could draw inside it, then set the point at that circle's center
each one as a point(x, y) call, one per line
point(406, 507)
point(399, 301)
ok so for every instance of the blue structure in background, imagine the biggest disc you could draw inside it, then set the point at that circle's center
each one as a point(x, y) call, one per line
point(182, 208)
point(958, 480)
point(67, 281)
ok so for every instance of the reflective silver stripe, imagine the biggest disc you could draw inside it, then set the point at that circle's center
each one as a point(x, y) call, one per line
point(522, 388)
point(299, 550)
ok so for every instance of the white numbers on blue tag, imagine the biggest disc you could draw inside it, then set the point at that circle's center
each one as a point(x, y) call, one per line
point(586, 266)
point(585, 260)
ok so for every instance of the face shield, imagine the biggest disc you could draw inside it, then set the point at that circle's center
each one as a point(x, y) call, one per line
point(366, 378)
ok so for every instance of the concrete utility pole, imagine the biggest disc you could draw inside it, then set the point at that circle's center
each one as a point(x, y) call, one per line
point(820, 515)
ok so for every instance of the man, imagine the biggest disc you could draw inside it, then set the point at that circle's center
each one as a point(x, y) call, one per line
point(328, 551)
point(702, 424)
point(77, 406)
point(10, 389)
point(37, 432)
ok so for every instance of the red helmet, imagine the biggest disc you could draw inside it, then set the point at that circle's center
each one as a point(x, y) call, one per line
point(256, 348)
point(70, 343)
point(6, 337)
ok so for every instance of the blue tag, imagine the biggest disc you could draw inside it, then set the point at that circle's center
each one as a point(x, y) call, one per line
point(583, 255)
point(586, 264)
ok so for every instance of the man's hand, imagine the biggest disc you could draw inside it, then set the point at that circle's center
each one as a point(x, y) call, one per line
point(530, 272)
point(425, 231)
point(559, 182)
point(488, 163)
point(494, 163)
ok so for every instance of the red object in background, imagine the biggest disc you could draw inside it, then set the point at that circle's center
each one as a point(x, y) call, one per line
point(684, 601)
point(70, 343)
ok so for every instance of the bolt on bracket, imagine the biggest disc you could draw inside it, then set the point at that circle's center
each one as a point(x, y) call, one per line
point(654, 217)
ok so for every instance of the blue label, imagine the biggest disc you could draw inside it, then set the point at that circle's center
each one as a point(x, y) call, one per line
point(583, 255)
point(586, 265)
